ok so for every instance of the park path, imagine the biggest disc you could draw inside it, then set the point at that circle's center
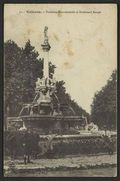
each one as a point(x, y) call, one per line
point(79, 162)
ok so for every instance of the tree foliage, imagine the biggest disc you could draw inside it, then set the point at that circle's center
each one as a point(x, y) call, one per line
point(65, 98)
point(103, 108)
point(22, 67)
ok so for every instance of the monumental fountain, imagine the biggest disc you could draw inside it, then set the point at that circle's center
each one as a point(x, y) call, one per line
point(47, 118)
point(43, 114)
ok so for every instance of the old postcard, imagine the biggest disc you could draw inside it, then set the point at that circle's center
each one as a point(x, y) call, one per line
point(60, 94)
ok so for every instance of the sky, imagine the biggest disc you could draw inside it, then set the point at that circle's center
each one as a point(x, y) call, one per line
point(83, 39)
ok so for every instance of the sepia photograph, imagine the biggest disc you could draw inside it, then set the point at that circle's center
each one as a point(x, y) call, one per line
point(60, 90)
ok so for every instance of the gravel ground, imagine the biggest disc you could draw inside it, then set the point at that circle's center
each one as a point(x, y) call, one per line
point(81, 162)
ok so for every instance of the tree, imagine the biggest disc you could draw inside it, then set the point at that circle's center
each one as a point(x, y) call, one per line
point(104, 106)
point(12, 57)
point(21, 71)
point(65, 98)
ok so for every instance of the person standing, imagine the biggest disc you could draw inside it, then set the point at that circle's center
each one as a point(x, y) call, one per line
point(27, 145)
